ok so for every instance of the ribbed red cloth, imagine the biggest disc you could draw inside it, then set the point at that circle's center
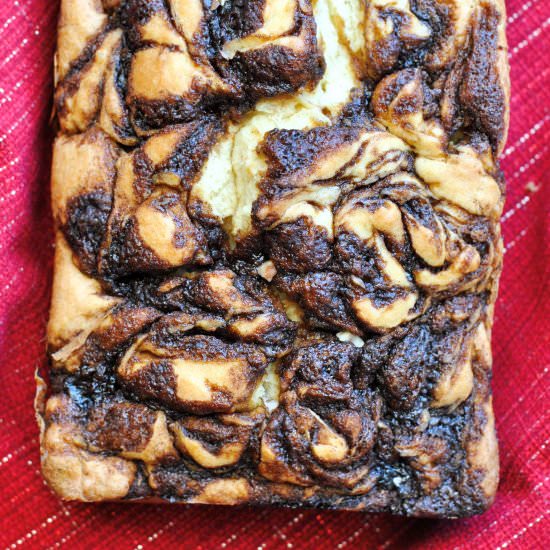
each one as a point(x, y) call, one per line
point(30, 516)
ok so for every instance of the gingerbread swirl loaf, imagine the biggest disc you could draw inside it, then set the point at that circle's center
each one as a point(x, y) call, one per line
point(277, 253)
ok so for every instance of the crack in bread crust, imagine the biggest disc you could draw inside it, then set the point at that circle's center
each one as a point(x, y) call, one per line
point(277, 253)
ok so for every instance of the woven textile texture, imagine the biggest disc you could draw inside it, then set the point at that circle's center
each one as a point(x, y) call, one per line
point(30, 516)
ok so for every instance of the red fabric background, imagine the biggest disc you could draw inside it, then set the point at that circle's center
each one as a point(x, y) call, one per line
point(30, 516)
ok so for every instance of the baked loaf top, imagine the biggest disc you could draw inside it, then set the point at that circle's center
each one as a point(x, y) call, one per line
point(277, 253)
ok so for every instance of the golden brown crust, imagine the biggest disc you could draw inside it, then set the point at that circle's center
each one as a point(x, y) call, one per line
point(503, 69)
point(277, 253)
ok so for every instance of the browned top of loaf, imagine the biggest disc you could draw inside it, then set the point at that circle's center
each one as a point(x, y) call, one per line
point(278, 248)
